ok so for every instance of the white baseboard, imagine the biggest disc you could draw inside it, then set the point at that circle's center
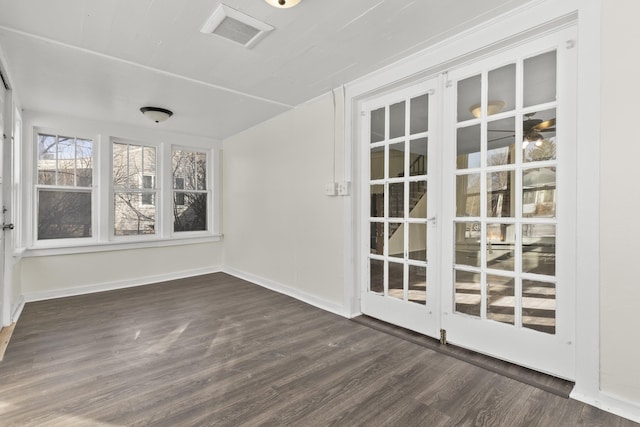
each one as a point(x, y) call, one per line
point(16, 310)
point(120, 284)
point(286, 290)
point(611, 403)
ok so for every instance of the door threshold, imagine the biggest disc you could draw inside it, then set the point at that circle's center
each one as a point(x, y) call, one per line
point(548, 383)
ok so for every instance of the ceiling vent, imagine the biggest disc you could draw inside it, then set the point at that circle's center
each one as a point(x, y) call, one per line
point(235, 26)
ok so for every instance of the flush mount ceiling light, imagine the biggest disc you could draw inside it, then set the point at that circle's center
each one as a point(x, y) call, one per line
point(156, 114)
point(283, 4)
point(493, 107)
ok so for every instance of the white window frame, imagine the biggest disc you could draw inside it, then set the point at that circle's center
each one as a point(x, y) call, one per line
point(103, 238)
point(36, 187)
point(158, 192)
point(209, 192)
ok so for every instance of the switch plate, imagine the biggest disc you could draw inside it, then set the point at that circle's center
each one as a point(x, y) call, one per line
point(331, 188)
point(343, 188)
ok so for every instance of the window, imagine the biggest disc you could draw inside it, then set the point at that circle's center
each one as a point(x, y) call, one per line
point(146, 193)
point(190, 194)
point(134, 167)
point(64, 187)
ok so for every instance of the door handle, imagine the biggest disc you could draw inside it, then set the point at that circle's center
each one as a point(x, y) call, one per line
point(7, 226)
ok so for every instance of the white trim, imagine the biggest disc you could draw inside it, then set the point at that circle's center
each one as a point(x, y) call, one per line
point(17, 309)
point(115, 246)
point(119, 284)
point(610, 403)
point(308, 298)
point(541, 16)
point(587, 349)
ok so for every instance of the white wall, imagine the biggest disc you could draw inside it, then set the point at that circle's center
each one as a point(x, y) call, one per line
point(58, 275)
point(280, 229)
point(620, 202)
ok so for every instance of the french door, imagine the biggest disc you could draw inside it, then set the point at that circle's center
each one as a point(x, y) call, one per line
point(499, 171)
point(400, 202)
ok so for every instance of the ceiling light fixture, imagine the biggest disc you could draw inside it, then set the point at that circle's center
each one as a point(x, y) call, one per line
point(156, 114)
point(283, 4)
point(493, 107)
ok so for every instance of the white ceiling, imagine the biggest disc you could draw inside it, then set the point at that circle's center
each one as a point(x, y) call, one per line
point(106, 59)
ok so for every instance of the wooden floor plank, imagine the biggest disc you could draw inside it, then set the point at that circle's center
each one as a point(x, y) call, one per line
point(216, 350)
point(5, 337)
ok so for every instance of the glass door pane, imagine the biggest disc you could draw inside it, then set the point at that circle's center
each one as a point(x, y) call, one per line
point(496, 181)
point(398, 147)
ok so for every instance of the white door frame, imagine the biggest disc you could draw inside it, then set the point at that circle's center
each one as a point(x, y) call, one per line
point(6, 132)
point(418, 317)
point(525, 22)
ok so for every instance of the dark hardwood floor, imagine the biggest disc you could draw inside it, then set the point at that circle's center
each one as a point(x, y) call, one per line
point(216, 350)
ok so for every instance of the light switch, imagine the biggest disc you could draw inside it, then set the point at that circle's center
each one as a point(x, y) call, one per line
point(330, 188)
point(343, 188)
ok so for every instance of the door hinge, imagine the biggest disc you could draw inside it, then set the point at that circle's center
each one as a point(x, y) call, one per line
point(447, 82)
point(443, 336)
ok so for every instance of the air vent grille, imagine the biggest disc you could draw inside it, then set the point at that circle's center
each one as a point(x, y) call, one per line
point(235, 26)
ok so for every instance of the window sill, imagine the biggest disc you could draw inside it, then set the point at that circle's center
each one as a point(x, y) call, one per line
point(116, 246)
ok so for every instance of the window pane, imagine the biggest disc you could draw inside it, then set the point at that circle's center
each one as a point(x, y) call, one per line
point(377, 201)
point(396, 160)
point(396, 120)
point(377, 163)
point(418, 199)
point(467, 299)
point(63, 214)
point(468, 97)
point(467, 243)
point(136, 153)
point(418, 241)
point(132, 216)
point(468, 195)
point(501, 246)
point(539, 193)
point(191, 167)
point(47, 163)
point(120, 165)
point(501, 142)
point(468, 146)
point(377, 125)
point(376, 276)
point(418, 160)
point(396, 239)
point(396, 200)
point(539, 136)
point(149, 162)
point(540, 79)
point(502, 89)
point(539, 249)
point(192, 214)
point(539, 306)
point(500, 299)
point(66, 161)
point(417, 284)
point(419, 114)
point(377, 238)
point(84, 162)
point(501, 194)
point(201, 171)
point(396, 280)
